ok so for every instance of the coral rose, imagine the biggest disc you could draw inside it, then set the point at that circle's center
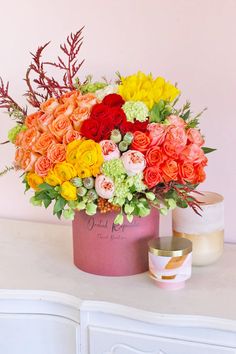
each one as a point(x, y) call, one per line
point(193, 153)
point(141, 142)
point(70, 136)
point(88, 100)
point(200, 174)
point(170, 170)
point(152, 176)
point(19, 138)
point(176, 121)
point(29, 138)
point(50, 105)
point(195, 137)
point(31, 121)
point(133, 161)
point(79, 115)
point(68, 191)
point(170, 150)
point(43, 142)
point(18, 157)
point(156, 133)
point(60, 126)
point(28, 160)
point(155, 156)
point(44, 121)
point(71, 95)
point(64, 110)
point(177, 136)
point(56, 153)
point(34, 180)
point(42, 166)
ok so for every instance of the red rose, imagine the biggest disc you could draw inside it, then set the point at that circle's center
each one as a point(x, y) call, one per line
point(99, 110)
point(90, 129)
point(117, 116)
point(152, 176)
point(113, 100)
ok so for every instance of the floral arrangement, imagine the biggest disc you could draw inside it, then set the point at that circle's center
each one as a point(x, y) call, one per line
point(98, 147)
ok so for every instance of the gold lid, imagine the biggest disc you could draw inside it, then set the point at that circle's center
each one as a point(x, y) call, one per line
point(170, 246)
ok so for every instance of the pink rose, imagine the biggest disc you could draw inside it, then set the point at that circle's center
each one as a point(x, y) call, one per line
point(176, 121)
point(195, 137)
point(157, 133)
point(133, 161)
point(42, 166)
point(104, 187)
point(110, 150)
point(177, 136)
point(193, 153)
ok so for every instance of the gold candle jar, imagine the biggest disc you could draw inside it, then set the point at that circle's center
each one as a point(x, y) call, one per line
point(170, 261)
point(206, 231)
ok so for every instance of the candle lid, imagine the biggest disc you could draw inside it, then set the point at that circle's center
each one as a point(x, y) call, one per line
point(170, 246)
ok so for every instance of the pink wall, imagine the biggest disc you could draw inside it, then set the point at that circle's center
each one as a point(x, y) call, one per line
point(188, 41)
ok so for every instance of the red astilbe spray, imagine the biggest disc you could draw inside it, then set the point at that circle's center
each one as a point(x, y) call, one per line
point(49, 85)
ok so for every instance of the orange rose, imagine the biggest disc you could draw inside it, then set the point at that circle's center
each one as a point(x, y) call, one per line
point(155, 156)
point(69, 95)
point(170, 170)
point(152, 176)
point(70, 136)
point(187, 172)
point(60, 126)
point(200, 174)
point(18, 157)
point(31, 121)
point(19, 138)
point(43, 143)
point(28, 161)
point(42, 166)
point(29, 138)
point(50, 105)
point(140, 142)
point(56, 153)
point(87, 100)
point(64, 110)
point(79, 115)
point(44, 120)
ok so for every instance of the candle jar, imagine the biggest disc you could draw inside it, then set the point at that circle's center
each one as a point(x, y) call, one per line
point(206, 231)
point(170, 261)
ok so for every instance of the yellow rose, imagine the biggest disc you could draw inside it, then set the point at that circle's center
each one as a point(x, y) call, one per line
point(68, 191)
point(64, 171)
point(87, 157)
point(34, 180)
point(71, 151)
point(52, 179)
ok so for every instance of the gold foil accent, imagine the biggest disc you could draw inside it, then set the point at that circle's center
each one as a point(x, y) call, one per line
point(168, 277)
point(175, 262)
point(170, 246)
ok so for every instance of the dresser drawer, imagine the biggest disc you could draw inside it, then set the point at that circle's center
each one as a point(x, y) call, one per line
point(109, 341)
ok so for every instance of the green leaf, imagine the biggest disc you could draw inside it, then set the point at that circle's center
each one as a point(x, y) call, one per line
point(35, 202)
point(163, 211)
point(47, 202)
point(150, 196)
point(128, 209)
point(69, 214)
point(45, 187)
point(192, 123)
point(81, 205)
point(208, 150)
point(91, 209)
point(58, 214)
point(171, 203)
point(129, 218)
point(155, 116)
point(182, 203)
point(59, 205)
point(119, 219)
point(186, 115)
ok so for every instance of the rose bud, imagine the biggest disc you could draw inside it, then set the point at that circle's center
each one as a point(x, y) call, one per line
point(110, 150)
point(104, 186)
point(134, 162)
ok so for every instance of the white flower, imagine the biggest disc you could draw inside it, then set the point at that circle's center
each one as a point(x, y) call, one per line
point(133, 161)
point(104, 187)
point(106, 91)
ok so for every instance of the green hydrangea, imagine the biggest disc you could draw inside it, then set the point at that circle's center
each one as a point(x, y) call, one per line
point(135, 110)
point(136, 183)
point(13, 132)
point(92, 87)
point(113, 168)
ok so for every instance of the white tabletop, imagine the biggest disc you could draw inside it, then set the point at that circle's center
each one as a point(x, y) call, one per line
point(38, 256)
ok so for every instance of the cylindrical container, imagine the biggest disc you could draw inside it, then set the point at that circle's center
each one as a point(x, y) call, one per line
point(170, 261)
point(206, 231)
point(102, 248)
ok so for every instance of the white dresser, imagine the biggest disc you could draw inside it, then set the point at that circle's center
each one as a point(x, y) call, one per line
point(48, 306)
